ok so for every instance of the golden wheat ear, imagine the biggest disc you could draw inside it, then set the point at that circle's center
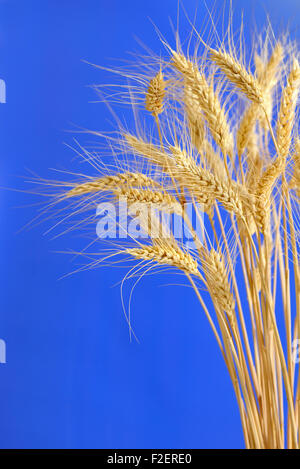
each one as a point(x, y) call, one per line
point(195, 118)
point(264, 190)
point(268, 75)
point(155, 95)
point(286, 114)
point(161, 200)
point(110, 182)
point(238, 75)
point(216, 276)
point(166, 254)
point(205, 97)
point(207, 187)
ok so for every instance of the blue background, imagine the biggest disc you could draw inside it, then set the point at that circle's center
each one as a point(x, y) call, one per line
point(73, 379)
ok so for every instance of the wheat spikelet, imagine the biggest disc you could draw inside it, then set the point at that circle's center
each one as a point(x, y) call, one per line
point(286, 114)
point(166, 254)
point(204, 96)
point(162, 200)
point(217, 280)
point(155, 95)
point(238, 75)
point(108, 183)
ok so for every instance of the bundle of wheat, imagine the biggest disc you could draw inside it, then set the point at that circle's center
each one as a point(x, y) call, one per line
point(237, 164)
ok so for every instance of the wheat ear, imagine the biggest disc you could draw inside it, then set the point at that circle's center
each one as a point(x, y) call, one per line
point(162, 200)
point(268, 76)
point(108, 183)
point(166, 254)
point(204, 96)
point(267, 79)
point(195, 118)
point(217, 280)
point(264, 189)
point(238, 75)
point(205, 186)
point(286, 114)
point(246, 127)
point(155, 95)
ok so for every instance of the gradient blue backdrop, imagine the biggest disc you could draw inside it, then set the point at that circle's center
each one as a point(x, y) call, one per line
point(72, 377)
